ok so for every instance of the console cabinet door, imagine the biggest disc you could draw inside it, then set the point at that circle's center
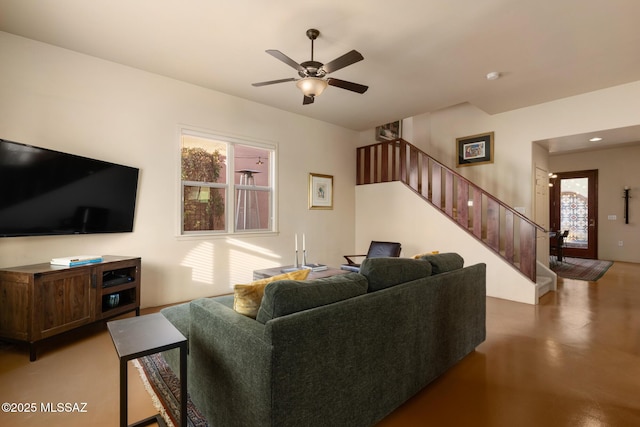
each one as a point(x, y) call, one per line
point(63, 302)
point(15, 305)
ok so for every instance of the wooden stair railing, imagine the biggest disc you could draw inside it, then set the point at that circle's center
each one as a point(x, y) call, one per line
point(504, 230)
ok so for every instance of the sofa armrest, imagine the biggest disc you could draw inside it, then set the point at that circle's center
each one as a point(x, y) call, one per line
point(231, 361)
point(179, 316)
point(219, 322)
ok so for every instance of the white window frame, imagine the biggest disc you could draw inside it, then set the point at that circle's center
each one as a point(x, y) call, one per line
point(230, 187)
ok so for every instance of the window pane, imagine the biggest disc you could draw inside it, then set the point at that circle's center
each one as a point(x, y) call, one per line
point(203, 160)
point(574, 210)
point(204, 208)
point(254, 160)
point(252, 209)
point(253, 192)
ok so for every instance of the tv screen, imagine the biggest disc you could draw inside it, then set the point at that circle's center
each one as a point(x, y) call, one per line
point(46, 192)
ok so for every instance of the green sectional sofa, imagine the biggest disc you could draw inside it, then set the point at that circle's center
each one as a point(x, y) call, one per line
point(340, 351)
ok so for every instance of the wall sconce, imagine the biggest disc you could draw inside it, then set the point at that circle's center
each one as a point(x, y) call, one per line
point(626, 204)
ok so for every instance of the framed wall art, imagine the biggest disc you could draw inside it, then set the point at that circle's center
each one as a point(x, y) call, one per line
point(475, 149)
point(389, 132)
point(320, 191)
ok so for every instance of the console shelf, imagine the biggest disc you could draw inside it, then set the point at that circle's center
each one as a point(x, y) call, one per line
point(42, 300)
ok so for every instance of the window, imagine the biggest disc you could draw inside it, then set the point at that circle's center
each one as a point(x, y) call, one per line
point(227, 184)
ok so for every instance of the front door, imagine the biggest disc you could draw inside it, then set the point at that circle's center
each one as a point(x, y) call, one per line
point(574, 207)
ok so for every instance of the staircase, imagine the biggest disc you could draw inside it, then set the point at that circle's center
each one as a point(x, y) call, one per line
point(498, 226)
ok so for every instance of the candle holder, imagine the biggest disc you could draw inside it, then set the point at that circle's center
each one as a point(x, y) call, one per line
point(304, 257)
point(295, 263)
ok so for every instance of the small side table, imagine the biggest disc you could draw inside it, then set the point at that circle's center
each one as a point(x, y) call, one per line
point(136, 337)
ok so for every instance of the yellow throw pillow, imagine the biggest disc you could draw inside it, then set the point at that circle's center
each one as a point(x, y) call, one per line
point(247, 298)
point(418, 256)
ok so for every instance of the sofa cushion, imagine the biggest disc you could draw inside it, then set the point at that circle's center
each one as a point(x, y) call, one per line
point(247, 298)
point(289, 296)
point(386, 272)
point(441, 263)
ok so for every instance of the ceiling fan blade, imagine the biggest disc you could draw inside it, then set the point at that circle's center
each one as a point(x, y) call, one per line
point(307, 100)
point(284, 58)
point(341, 62)
point(343, 84)
point(272, 82)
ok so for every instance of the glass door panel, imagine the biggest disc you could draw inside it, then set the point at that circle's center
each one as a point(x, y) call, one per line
point(574, 207)
point(574, 211)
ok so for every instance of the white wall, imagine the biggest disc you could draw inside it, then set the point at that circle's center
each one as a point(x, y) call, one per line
point(402, 216)
point(70, 102)
point(540, 191)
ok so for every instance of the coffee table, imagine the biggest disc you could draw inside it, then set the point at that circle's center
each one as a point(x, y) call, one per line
point(270, 272)
point(136, 337)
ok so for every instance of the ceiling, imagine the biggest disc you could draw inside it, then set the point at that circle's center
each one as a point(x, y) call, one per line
point(610, 138)
point(419, 55)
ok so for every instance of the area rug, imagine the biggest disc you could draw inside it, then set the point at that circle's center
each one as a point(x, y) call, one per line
point(581, 269)
point(164, 388)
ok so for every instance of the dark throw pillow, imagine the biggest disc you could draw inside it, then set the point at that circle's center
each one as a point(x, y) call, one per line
point(291, 296)
point(441, 263)
point(386, 272)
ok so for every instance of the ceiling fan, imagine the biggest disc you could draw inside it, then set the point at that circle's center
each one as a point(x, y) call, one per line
point(313, 74)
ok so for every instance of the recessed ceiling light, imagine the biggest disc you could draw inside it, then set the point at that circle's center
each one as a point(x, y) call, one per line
point(494, 75)
point(596, 139)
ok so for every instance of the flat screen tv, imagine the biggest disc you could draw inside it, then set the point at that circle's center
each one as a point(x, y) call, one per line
point(46, 192)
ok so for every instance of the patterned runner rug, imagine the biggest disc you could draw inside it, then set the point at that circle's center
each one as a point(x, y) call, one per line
point(164, 388)
point(581, 269)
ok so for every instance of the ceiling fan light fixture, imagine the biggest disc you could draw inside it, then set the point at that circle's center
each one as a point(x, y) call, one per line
point(312, 73)
point(312, 86)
